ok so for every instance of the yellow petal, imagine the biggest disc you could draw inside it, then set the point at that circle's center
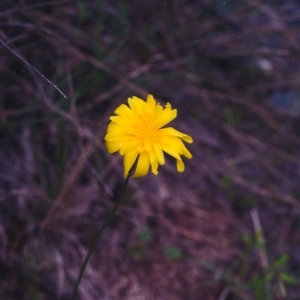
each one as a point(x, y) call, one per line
point(159, 153)
point(174, 153)
point(151, 103)
point(168, 149)
point(115, 129)
point(173, 132)
point(143, 165)
point(147, 144)
point(186, 152)
point(113, 146)
point(165, 116)
point(180, 165)
point(129, 145)
point(153, 162)
point(129, 159)
point(115, 135)
point(122, 110)
point(120, 120)
point(177, 145)
point(137, 105)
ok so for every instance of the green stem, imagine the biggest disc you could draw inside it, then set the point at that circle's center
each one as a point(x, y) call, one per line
point(99, 233)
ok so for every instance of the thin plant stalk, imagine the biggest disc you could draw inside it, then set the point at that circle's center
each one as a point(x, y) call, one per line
point(100, 231)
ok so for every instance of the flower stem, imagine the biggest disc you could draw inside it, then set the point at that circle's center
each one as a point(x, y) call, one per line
point(99, 233)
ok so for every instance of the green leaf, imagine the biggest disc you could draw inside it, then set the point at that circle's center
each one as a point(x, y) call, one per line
point(247, 240)
point(231, 116)
point(288, 278)
point(257, 283)
point(137, 252)
point(225, 183)
point(144, 235)
point(172, 253)
point(281, 261)
point(269, 277)
point(249, 201)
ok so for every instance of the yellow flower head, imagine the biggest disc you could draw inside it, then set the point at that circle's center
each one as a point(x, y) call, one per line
point(136, 130)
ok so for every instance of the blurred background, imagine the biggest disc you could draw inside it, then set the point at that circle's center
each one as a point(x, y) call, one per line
point(228, 228)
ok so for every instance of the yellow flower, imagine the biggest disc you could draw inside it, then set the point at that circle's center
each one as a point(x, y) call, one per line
point(136, 130)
